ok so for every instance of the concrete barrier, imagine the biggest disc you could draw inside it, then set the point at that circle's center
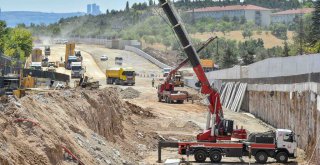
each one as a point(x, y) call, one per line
point(146, 56)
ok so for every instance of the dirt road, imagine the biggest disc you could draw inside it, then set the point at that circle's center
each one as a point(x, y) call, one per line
point(130, 59)
point(174, 121)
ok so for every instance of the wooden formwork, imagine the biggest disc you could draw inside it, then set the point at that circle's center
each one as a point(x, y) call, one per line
point(293, 110)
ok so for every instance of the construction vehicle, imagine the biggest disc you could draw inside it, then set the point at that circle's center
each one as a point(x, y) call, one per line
point(51, 69)
point(70, 60)
point(118, 60)
point(47, 51)
point(120, 76)
point(215, 141)
point(207, 64)
point(36, 55)
point(77, 71)
point(8, 84)
point(70, 51)
point(178, 79)
point(36, 65)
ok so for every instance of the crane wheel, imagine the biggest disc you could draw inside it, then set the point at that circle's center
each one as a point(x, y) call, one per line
point(261, 157)
point(282, 157)
point(200, 156)
point(215, 156)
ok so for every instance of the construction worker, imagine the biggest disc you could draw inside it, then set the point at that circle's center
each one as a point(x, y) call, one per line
point(152, 82)
point(61, 59)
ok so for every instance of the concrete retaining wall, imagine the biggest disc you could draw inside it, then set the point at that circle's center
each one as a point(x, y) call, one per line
point(111, 44)
point(272, 67)
point(298, 111)
point(146, 56)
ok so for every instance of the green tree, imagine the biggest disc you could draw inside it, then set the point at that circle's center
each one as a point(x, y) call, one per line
point(246, 33)
point(229, 58)
point(314, 38)
point(18, 43)
point(279, 31)
point(225, 18)
point(3, 31)
point(127, 7)
point(286, 49)
point(243, 20)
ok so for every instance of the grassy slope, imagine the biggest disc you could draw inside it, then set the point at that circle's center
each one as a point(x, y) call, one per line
point(269, 40)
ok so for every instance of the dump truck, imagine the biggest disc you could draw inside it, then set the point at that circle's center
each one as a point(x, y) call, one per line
point(70, 51)
point(120, 76)
point(36, 55)
point(77, 71)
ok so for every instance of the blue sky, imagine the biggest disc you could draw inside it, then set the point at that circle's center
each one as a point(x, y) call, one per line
point(59, 6)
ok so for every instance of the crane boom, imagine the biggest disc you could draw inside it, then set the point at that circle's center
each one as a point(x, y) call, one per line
point(221, 129)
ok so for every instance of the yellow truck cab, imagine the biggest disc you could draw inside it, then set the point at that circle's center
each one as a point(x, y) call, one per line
point(120, 76)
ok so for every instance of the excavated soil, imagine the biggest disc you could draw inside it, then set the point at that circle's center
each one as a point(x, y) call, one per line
point(96, 126)
point(129, 93)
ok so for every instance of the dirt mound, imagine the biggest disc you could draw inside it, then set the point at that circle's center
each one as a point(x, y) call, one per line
point(139, 110)
point(96, 126)
point(129, 93)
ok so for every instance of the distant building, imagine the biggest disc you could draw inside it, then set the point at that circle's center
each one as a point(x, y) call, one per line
point(89, 8)
point(288, 16)
point(93, 9)
point(259, 15)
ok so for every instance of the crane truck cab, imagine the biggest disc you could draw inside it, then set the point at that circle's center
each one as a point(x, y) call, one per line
point(77, 70)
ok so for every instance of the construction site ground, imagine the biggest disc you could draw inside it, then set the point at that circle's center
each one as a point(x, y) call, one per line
point(111, 125)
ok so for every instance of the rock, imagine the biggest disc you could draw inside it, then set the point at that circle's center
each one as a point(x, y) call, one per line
point(116, 152)
point(97, 148)
point(107, 161)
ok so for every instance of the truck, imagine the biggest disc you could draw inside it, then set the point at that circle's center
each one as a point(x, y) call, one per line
point(70, 51)
point(77, 71)
point(36, 55)
point(120, 76)
point(171, 96)
point(36, 65)
point(47, 51)
point(279, 144)
point(178, 79)
point(217, 139)
point(70, 60)
point(118, 60)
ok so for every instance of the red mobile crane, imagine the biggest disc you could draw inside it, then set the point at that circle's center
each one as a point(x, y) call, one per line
point(215, 140)
point(166, 90)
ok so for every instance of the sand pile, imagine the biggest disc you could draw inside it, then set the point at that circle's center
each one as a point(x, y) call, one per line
point(129, 93)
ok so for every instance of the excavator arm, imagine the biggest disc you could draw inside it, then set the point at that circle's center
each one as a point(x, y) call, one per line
point(219, 129)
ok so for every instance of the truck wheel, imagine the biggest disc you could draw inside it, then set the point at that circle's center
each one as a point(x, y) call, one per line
point(166, 99)
point(200, 156)
point(159, 98)
point(261, 157)
point(282, 157)
point(215, 156)
point(180, 101)
point(182, 85)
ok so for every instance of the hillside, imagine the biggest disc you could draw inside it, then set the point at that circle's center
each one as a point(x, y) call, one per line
point(27, 17)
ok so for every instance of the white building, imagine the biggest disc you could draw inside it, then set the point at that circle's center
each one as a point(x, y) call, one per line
point(259, 15)
point(288, 16)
